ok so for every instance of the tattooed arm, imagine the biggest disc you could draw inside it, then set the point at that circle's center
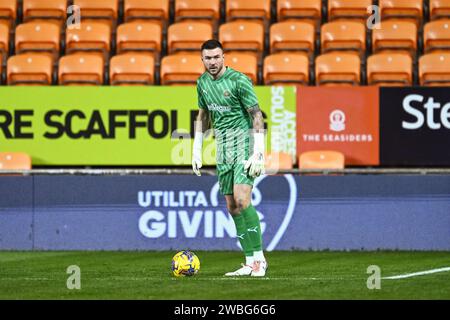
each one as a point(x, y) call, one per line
point(255, 164)
point(257, 117)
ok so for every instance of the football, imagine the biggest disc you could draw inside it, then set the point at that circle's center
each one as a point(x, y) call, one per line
point(185, 263)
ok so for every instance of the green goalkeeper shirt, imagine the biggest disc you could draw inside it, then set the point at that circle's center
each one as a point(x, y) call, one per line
point(227, 100)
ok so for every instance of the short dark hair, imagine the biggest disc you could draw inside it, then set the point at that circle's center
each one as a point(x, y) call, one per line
point(211, 44)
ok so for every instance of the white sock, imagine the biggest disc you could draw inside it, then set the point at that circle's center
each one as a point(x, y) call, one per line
point(259, 255)
point(249, 260)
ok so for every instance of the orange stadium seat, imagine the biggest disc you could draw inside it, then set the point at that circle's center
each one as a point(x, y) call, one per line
point(343, 35)
point(181, 69)
point(248, 9)
point(275, 161)
point(348, 9)
point(8, 12)
point(285, 69)
point(30, 69)
point(434, 69)
point(436, 35)
point(38, 36)
point(204, 11)
point(292, 36)
point(45, 9)
point(187, 36)
point(104, 10)
point(439, 9)
point(245, 63)
point(395, 35)
point(132, 69)
point(155, 10)
point(15, 161)
point(336, 68)
point(4, 42)
point(81, 69)
point(242, 36)
point(390, 69)
point(91, 37)
point(321, 159)
point(140, 36)
point(304, 10)
point(401, 9)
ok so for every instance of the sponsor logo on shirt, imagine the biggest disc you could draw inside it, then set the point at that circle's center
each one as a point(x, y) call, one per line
point(215, 107)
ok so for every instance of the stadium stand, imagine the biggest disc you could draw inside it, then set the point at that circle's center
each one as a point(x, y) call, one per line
point(4, 43)
point(321, 159)
point(434, 69)
point(101, 10)
point(439, 9)
point(390, 69)
point(286, 69)
point(156, 11)
point(187, 36)
point(8, 12)
point(15, 161)
point(292, 36)
point(140, 37)
point(303, 10)
point(245, 63)
point(30, 69)
point(92, 37)
point(48, 10)
point(410, 10)
point(262, 28)
point(341, 69)
point(343, 36)
point(38, 36)
point(348, 9)
point(254, 10)
point(436, 35)
point(132, 69)
point(278, 161)
point(199, 11)
point(243, 36)
point(81, 69)
point(181, 69)
point(395, 35)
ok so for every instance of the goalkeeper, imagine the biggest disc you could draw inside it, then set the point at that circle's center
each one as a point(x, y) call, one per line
point(227, 99)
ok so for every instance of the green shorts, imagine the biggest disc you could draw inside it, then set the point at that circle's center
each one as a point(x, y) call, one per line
point(231, 159)
point(231, 174)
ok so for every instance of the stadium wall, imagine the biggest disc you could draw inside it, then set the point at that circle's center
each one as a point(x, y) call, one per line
point(125, 126)
point(352, 212)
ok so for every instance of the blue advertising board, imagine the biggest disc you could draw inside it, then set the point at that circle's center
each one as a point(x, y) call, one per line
point(351, 212)
point(16, 212)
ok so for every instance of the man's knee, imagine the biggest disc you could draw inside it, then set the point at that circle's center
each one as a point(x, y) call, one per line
point(233, 209)
point(231, 206)
point(241, 203)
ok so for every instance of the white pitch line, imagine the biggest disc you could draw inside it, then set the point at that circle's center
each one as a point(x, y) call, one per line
point(193, 279)
point(409, 275)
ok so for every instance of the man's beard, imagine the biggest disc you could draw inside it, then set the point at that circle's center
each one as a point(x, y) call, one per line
point(216, 70)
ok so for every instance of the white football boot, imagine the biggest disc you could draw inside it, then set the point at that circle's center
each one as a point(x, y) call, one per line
point(259, 268)
point(245, 270)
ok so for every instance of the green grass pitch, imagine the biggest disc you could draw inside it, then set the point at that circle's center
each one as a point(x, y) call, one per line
point(291, 275)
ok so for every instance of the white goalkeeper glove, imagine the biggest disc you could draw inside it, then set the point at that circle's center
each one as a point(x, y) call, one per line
point(197, 153)
point(254, 166)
